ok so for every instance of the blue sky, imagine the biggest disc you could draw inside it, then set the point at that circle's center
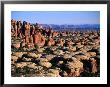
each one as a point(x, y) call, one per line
point(58, 17)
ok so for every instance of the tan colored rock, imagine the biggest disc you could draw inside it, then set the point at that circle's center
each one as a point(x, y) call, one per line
point(79, 46)
point(49, 57)
point(53, 73)
point(94, 65)
point(32, 55)
point(77, 72)
point(33, 65)
point(57, 52)
point(16, 45)
point(21, 64)
point(51, 42)
point(54, 48)
point(72, 53)
point(23, 44)
point(45, 64)
point(65, 74)
point(72, 49)
point(75, 64)
point(40, 50)
point(26, 59)
point(40, 74)
point(14, 58)
point(43, 59)
point(76, 67)
point(67, 56)
point(70, 43)
point(83, 50)
point(60, 62)
point(60, 52)
point(90, 54)
point(18, 54)
point(82, 57)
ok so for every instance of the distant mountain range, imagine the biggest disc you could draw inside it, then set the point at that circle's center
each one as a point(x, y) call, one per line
point(72, 27)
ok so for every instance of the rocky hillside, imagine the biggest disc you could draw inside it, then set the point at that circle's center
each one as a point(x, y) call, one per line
point(39, 52)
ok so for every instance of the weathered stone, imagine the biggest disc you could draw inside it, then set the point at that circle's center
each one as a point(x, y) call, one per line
point(33, 65)
point(65, 74)
point(51, 42)
point(53, 73)
point(56, 52)
point(75, 64)
point(27, 39)
point(94, 65)
point(54, 48)
point(42, 60)
point(82, 57)
point(16, 45)
point(45, 64)
point(26, 59)
point(76, 67)
point(33, 55)
point(90, 54)
point(40, 50)
point(79, 46)
point(21, 64)
point(60, 62)
point(49, 57)
point(72, 53)
point(72, 48)
point(77, 72)
point(39, 39)
point(14, 58)
point(66, 56)
point(18, 54)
